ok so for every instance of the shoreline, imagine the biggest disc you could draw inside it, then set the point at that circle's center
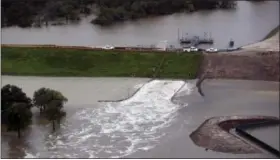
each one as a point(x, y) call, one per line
point(271, 37)
point(268, 44)
point(257, 61)
point(271, 40)
point(272, 33)
point(263, 55)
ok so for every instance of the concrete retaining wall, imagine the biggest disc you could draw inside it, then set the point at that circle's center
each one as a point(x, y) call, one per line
point(258, 66)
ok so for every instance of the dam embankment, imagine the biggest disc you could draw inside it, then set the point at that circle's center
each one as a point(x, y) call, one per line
point(258, 61)
point(261, 66)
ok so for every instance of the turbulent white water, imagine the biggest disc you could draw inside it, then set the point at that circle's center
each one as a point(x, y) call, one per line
point(118, 129)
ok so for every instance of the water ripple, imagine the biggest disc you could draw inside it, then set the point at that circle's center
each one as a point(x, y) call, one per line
point(119, 129)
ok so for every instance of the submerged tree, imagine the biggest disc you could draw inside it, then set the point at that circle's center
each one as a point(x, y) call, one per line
point(11, 94)
point(54, 112)
point(40, 99)
point(19, 117)
point(43, 96)
point(15, 108)
point(50, 102)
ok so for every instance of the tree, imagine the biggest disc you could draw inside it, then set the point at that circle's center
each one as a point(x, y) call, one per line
point(25, 12)
point(50, 102)
point(11, 94)
point(54, 112)
point(43, 96)
point(19, 117)
point(40, 99)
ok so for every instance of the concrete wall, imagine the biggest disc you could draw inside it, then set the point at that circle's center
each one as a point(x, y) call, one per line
point(258, 66)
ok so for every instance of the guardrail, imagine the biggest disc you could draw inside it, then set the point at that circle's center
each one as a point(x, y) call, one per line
point(132, 49)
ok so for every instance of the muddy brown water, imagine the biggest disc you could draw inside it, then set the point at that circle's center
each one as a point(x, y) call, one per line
point(222, 98)
point(249, 23)
point(145, 126)
point(268, 135)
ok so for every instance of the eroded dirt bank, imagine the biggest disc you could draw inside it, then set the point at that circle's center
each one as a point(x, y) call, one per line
point(249, 67)
point(259, 61)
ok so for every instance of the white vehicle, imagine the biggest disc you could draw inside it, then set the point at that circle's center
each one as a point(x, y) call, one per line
point(194, 49)
point(108, 47)
point(191, 49)
point(212, 50)
point(186, 49)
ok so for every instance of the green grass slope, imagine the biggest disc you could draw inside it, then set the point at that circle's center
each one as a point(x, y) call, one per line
point(94, 63)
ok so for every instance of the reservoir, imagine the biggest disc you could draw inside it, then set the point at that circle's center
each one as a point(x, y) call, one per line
point(248, 23)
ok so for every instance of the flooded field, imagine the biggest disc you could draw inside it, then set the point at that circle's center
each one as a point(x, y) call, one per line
point(145, 125)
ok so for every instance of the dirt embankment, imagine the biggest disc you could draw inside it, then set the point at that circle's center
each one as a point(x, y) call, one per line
point(259, 61)
point(270, 44)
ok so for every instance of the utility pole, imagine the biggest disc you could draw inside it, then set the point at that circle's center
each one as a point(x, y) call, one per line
point(178, 34)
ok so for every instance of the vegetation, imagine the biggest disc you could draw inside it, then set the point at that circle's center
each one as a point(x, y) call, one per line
point(87, 63)
point(26, 13)
point(16, 107)
point(40, 100)
point(121, 10)
point(54, 111)
point(50, 102)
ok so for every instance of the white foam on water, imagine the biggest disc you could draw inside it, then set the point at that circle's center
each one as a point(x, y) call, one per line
point(186, 89)
point(138, 86)
point(29, 155)
point(122, 128)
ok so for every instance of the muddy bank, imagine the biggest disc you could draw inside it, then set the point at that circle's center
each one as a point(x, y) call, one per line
point(246, 65)
point(258, 61)
point(270, 44)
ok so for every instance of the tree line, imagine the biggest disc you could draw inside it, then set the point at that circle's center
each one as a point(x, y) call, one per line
point(16, 107)
point(121, 10)
point(27, 13)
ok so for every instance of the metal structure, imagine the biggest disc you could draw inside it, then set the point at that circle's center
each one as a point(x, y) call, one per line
point(196, 40)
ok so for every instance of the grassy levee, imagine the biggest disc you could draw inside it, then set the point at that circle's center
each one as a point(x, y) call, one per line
point(97, 63)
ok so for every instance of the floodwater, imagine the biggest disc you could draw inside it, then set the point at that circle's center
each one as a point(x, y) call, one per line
point(99, 130)
point(268, 134)
point(147, 125)
point(249, 23)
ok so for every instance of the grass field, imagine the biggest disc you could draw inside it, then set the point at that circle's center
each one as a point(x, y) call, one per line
point(93, 63)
